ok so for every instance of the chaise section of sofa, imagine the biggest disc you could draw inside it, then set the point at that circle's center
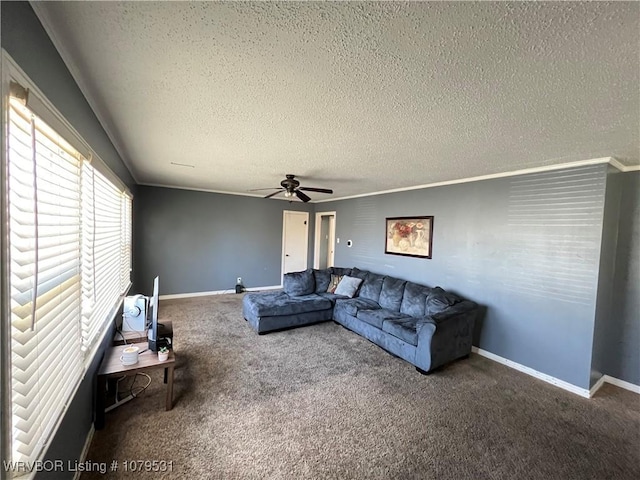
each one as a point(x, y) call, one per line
point(427, 327)
point(270, 311)
point(304, 300)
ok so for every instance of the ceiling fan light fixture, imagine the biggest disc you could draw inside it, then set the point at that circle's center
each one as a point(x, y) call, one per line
point(291, 188)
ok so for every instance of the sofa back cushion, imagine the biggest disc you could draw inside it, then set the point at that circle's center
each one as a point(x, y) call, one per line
point(391, 294)
point(371, 286)
point(322, 278)
point(357, 273)
point(414, 300)
point(296, 284)
point(439, 300)
point(340, 271)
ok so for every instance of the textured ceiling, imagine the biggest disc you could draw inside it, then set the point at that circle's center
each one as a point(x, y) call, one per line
point(358, 97)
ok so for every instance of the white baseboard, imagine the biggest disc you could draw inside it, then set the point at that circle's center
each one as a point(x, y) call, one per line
point(622, 384)
point(597, 386)
point(257, 289)
point(583, 392)
point(215, 292)
point(85, 451)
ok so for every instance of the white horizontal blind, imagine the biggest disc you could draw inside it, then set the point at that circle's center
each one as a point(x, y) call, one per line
point(69, 264)
point(125, 244)
point(107, 227)
point(44, 278)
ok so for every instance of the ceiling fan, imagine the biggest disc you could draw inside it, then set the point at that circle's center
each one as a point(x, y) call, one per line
point(290, 186)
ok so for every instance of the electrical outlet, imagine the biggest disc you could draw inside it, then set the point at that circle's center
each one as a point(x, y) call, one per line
point(239, 280)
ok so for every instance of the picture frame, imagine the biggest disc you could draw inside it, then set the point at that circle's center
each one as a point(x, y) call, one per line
point(409, 236)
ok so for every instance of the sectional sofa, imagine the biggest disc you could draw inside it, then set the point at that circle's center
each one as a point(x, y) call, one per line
point(425, 326)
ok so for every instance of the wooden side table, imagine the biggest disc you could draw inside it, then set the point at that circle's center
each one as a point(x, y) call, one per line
point(112, 367)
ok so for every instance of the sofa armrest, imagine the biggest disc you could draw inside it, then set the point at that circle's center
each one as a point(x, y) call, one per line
point(426, 327)
point(445, 336)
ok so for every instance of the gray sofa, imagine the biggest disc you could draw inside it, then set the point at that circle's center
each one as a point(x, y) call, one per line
point(425, 326)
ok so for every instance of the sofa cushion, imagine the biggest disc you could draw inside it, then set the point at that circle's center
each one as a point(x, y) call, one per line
point(298, 283)
point(439, 300)
point(322, 278)
point(340, 271)
point(391, 293)
point(348, 286)
point(378, 316)
point(333, 283)
point(356, 272)
point(402, 328)
point(331, 296)
point(280, 303)
point(352, 305)
point(371, 286)
point(414, 300)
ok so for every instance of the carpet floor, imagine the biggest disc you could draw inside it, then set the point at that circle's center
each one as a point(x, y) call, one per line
point(321, 402)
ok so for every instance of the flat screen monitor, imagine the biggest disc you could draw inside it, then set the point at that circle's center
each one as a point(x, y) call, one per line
point(152, 333)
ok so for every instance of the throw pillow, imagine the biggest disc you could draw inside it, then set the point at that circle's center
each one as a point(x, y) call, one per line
point(348, 286)
point(299, 283)
point(333, 283)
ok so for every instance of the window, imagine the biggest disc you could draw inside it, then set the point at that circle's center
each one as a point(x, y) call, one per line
point(68, 225)
point(106, 251)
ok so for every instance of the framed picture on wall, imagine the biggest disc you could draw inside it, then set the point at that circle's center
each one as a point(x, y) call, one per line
point(409, 236)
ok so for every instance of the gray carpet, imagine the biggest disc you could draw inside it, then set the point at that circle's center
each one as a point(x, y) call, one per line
point(322, 402)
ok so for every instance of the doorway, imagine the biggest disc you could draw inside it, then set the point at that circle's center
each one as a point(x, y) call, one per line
point(325, 240)
point(295, 241)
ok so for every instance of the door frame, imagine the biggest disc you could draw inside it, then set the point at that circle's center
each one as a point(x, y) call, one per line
point(306, 236)
point(332, 238)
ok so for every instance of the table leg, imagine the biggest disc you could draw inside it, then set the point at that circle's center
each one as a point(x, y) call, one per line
point(100, 402)
point(169, 374)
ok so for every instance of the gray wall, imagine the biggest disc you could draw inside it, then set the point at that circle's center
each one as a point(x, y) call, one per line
point(607, 272)
point(201, 242)
point(620, 349)
point(526, 248)
point(26, 41)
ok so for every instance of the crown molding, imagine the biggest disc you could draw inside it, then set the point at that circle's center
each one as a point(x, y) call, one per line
point(75, 73)
point(547, 168)
point(41, 13)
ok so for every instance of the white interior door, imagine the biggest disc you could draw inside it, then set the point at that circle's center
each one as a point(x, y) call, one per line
point(325, 240)
point(331, 241)
point(295, 239)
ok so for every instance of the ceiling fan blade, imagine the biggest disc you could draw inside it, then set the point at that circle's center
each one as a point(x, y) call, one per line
point(302, 196)
point(274, 193)
point(320, 190)
point(258, 189)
